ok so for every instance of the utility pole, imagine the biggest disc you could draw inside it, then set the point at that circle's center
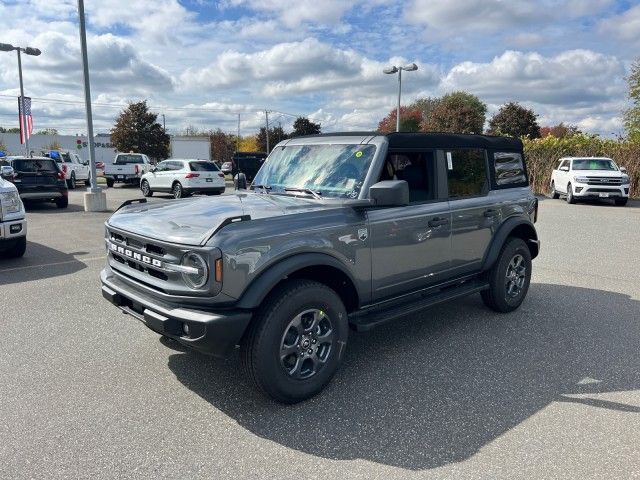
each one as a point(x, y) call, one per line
point(266, 116)
point(23, 117)
point(238, 136)
point(164, 126)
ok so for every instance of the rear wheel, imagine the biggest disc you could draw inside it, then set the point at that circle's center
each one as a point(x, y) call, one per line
point(71, 183)
point(110, 182)
point(177, 190)
point(295, 344)
point(146, 189)
point(570, 198)
point(17, 250)
point(87, 182)
point(621, 202)
point(62, 202)
point(553, 193)
point(509, 278)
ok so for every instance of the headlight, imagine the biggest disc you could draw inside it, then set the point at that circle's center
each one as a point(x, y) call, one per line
point(196, 272)
point(10, 202)
point(581, 179)
point(625, 179)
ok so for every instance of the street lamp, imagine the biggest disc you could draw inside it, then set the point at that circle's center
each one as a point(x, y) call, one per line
point(390, 71)
point(5, 47)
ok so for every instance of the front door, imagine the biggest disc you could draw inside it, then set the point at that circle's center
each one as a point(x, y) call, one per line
point(410, 244)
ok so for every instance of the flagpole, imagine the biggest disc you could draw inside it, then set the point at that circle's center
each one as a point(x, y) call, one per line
point(23, 117)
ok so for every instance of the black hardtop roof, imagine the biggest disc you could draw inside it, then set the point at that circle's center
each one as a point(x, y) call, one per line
point(436, 140)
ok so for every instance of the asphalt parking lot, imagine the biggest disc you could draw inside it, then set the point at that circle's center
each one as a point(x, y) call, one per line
point(550, 391)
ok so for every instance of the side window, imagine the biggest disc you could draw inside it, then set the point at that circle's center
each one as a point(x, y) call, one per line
point(509, 168)
point(161, 167)
point(176, 166)
point(417, 169)
point(467, 172)
point(565, 163)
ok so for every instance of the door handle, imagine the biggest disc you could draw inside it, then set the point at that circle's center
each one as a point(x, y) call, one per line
point(491, 213)
point(438, 222)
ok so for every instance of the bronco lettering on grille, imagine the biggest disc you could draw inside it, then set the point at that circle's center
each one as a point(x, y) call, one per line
point(135, 255)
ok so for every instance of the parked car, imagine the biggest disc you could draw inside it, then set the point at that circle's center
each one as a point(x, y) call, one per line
point(39, 179)
point(74, 168)
point(227, 167)
point(337, 231)
point(13, 223)
point(183, 177)
point(580, 178)
point(127, 168)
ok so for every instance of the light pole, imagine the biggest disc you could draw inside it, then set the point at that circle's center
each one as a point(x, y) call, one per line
point(5, 47)
point(393, 69)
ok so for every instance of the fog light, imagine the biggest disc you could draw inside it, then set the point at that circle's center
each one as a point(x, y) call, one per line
point(578, 189)
point(185, 328)
point(17, 228)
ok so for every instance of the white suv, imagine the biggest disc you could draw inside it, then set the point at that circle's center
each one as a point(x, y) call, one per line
point(13, 225)
point(590, 177)
point(183, 177)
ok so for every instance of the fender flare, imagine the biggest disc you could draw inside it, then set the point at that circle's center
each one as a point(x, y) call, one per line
point(504, 231)
point(260, 287)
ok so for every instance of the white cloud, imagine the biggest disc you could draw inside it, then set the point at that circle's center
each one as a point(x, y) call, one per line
point(625, 27)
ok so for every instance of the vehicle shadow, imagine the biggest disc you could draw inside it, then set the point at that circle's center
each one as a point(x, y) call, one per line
point(434, 389)
point(49, 207)
point(39, 262)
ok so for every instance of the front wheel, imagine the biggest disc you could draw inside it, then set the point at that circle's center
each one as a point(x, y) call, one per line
point(17, 250)
point(621, 202)
point(296, 341)
point(570, 198)
point(509, 278)
point(146, 189)
point(553, 193)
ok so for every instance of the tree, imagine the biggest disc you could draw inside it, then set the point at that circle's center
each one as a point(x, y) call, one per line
point(631, 116)
point(137, 130)
point(248, 144)
point(276, 134)
point(9, 130)
point(559, 131)
point(47, 131)
point(303, 126)
point(410, 118)
point(514, 120)
point(223, 146)
point(425, 105)
point(457, 112)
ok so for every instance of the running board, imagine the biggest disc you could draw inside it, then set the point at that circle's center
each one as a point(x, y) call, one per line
point(367, 319)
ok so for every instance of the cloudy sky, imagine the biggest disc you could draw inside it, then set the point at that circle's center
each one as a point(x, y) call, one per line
point(201, 62)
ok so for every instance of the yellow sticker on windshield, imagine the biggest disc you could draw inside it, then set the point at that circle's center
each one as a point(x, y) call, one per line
point(358, 154)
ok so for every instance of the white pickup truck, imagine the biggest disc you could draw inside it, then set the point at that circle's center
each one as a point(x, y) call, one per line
point(73, 167)
point(127, 168)
point(590, 178)
point(13, 224)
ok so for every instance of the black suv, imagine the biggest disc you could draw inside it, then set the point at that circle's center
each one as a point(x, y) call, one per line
point(336, 231)
point(39, 179)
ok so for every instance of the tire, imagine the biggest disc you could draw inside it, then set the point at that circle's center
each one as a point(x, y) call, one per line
point(146, 190)
point(621, 202)
point(570, 198)
point(178, 191)
point(554, 194)
point(110, 182)
point(295, 317)
point(17, 250)
point(87, 182)
point(71, 183)
point(62, 202)
point(508, 284)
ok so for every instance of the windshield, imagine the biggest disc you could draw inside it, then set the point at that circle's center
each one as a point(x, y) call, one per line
point(591, 164)
point(329, 170)
point(125, 159)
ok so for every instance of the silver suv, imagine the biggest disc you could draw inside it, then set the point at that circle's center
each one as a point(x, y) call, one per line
point(337, 231)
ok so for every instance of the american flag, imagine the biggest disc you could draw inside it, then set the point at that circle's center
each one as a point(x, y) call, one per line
point(27, 112)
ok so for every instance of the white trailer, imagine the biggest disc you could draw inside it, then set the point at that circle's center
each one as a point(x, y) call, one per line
point(191, 147)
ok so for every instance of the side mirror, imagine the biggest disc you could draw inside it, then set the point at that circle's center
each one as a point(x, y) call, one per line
point(85, 164)
point(6, 171)
point(623, 170)
point(153, 170)
point(564, 169)
point(390, 193)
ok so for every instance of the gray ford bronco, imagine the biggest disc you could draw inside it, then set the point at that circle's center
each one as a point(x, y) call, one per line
point(336, 231)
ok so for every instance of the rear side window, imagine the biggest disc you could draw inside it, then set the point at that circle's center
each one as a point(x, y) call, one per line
point(34, 166)
point(509, 169)
point(203, 167)
point(467, 172)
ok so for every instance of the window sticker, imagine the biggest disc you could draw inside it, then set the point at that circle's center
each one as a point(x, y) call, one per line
point(449, 161)
point(358, 154)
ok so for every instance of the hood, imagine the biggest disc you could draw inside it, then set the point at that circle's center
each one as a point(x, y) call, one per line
point(6, 186)
point(192, 221)
point(599, 173)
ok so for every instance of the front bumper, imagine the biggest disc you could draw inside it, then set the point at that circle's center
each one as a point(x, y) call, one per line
point(581, 190)
point(209, 332)
point(10, 229)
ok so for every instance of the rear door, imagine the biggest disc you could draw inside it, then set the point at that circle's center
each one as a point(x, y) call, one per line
point(475, 213)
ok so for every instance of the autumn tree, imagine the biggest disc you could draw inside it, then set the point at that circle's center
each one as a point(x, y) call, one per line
point(223, 146)
point(303, 126)
point(410, 118)
point(137, 130)
point(276, 135)
point(561, 130)
point(631, 116)
point(456, 112)
point(514, 120)
point(248, 144)
point(425, 105)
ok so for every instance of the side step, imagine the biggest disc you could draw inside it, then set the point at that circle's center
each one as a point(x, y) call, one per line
point(369, 318)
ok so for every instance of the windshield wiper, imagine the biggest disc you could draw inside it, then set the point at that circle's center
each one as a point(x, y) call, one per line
point(265, 188)
point(315, 194)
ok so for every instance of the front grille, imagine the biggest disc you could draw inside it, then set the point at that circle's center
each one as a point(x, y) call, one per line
point(603, 190)
point(604, 181)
